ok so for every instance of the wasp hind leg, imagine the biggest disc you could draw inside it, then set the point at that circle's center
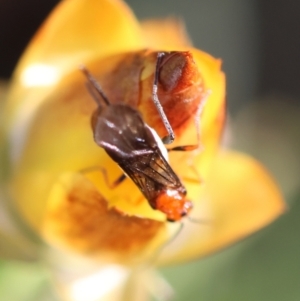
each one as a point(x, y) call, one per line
point(109, 184)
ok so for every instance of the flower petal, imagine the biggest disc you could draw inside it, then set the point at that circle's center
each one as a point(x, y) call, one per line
point(239, 198)
point(214, 112)
point(78, 218)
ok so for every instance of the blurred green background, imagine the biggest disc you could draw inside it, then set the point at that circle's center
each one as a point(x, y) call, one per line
point(259, 44)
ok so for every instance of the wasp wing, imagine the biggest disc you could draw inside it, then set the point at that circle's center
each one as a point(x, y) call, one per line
point(153, 175)
point(121, 131)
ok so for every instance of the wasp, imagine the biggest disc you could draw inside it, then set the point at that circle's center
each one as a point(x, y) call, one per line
point(121, 131)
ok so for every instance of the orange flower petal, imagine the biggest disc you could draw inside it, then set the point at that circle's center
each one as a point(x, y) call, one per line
point(167, 34)
point(211, 121)
point(239, 198)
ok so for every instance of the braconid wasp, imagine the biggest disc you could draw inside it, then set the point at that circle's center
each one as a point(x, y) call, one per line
point(120, 130)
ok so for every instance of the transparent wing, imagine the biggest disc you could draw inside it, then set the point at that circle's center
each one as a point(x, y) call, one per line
point(121, 131)
point(152, 174)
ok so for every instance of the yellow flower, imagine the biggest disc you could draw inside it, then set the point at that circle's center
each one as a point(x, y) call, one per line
point(50, 142)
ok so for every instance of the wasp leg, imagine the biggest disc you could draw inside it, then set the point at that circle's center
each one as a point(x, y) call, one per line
point(171, 136)
point(184, 148)
point(197, 146)
point(112, 185)
point(194, 180)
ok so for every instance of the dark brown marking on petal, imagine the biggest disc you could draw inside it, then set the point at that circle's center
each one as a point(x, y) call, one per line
point(83, 222)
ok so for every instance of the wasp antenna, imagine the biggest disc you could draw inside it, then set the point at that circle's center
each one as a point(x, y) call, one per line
point(198, 221)
point(171, 136)
point(92, 83)
point(95, 95)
